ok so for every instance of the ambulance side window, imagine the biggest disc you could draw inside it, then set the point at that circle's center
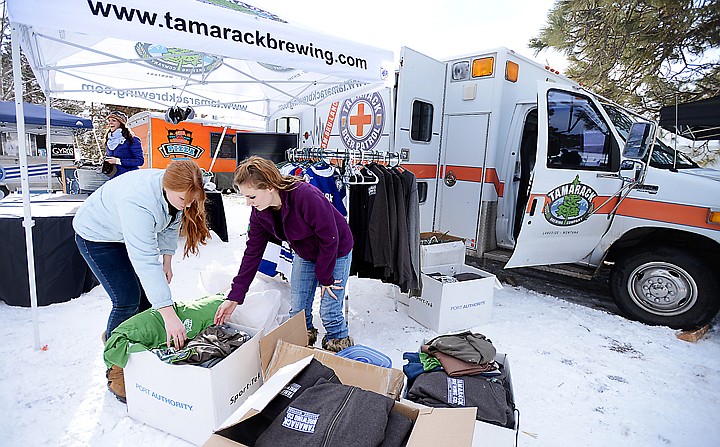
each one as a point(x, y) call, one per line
point(287, 124)
point(421, 121)
point(578, 136)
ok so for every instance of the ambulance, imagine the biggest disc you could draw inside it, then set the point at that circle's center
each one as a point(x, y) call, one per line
point(530, 168)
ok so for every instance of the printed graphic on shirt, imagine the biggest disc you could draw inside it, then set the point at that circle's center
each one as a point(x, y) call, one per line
point(188, 324)
point(299, 420)
point(456, 391)
point(290, 390)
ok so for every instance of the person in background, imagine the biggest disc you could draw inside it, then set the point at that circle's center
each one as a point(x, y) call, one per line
point(123, 151)
point(127, 224)
point(288, 209)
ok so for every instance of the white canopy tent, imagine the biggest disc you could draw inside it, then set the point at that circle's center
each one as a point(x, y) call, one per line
point(224, 58)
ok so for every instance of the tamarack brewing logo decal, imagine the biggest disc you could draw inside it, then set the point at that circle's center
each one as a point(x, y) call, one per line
point(180, 144)
point(362, 120)
point(570, 203)
point(177, 60)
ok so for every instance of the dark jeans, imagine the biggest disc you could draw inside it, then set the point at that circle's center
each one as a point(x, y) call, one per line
point(110, 263)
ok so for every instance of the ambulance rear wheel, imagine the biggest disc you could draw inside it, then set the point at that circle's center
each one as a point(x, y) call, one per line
point(4, 191)
point(665, 286)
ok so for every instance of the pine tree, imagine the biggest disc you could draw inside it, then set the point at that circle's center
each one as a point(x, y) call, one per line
point(640, 53)
point(571, 203)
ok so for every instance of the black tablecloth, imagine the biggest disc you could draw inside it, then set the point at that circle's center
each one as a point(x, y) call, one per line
point(60, 271)
point(215, 211)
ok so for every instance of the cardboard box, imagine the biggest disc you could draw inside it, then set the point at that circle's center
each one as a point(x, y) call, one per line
point(455, 306)
point(449, 250)
point(485, 434)
point(386, 381)
point(190, 401)
point(433, 426)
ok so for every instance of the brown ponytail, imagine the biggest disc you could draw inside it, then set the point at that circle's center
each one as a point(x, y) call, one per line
point(186, 176)
point(260, 173)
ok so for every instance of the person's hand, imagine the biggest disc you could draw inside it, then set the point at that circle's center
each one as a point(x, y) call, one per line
point(167, 267)
point(224, 311)
point(175, 330)
point(329, 289)
point(112, 160)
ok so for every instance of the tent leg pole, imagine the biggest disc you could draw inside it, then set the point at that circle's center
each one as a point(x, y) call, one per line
point(27, 220)
point(48, 146)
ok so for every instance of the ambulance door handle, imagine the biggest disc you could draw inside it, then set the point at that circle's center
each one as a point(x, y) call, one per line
point(608, 175)
point(450, 179)
point(532, 208)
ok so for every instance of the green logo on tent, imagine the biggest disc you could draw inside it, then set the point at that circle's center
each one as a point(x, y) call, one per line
point(247, 8)
point(177, 60)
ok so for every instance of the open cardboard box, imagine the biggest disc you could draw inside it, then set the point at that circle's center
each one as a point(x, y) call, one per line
point(449, 249)
point(486, 434)
point(190, 401)
point(432, 427)
point(445, 307)
point(493, 435)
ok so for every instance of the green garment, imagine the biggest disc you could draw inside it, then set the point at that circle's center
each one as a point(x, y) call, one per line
point(146, 330)
point(429, 362)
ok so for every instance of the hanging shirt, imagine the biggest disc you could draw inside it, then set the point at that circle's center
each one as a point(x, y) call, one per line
point(329, 182)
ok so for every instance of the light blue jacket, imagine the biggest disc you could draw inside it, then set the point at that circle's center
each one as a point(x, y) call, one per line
point(131, 209)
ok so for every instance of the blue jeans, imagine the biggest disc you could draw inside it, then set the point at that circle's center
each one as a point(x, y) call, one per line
point(110, 263)
point(303, 285)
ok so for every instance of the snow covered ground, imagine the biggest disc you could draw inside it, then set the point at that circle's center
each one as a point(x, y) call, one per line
point(582, 377)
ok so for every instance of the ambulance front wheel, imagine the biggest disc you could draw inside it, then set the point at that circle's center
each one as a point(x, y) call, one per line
point(666, 286)
point(4, 191)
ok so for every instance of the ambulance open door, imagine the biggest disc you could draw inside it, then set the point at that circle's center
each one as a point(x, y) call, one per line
point(419, 107)
point(574, 180)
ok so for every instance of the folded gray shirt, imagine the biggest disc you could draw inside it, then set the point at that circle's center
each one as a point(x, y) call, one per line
point(330, 415)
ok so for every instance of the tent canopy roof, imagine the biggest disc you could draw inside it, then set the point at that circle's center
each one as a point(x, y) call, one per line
point(696, 120)
point(36, 114)
point(224, 58)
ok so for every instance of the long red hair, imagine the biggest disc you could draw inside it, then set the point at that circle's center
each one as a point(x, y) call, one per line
point(186, 176)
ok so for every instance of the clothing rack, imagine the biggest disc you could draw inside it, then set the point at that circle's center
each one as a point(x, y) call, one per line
point(346, 160)
point(342, 157)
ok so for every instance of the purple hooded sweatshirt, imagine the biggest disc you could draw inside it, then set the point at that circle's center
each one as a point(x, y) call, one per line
point(315, 230)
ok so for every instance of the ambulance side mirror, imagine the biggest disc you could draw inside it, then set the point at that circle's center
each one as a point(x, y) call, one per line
point(631, 170)
point(639, 141)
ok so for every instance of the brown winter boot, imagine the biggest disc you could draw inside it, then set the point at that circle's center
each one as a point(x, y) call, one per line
point(312, 336)
point(336, 344)
point(116, 382)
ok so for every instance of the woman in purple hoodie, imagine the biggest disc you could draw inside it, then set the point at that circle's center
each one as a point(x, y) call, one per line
point(288, 209)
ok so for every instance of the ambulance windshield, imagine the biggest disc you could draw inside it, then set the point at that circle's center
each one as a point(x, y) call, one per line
point(662, 154)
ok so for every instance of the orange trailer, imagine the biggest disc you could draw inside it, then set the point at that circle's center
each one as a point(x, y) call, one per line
point(195, 139)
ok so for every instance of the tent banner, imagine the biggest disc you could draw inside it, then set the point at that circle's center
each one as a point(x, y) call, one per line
point(231, 29)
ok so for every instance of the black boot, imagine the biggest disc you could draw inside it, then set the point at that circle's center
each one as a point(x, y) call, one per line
point(336, 344)
point(312, 336)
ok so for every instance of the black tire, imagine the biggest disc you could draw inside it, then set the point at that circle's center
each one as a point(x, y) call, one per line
point(4, 191)
point(666, 286)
